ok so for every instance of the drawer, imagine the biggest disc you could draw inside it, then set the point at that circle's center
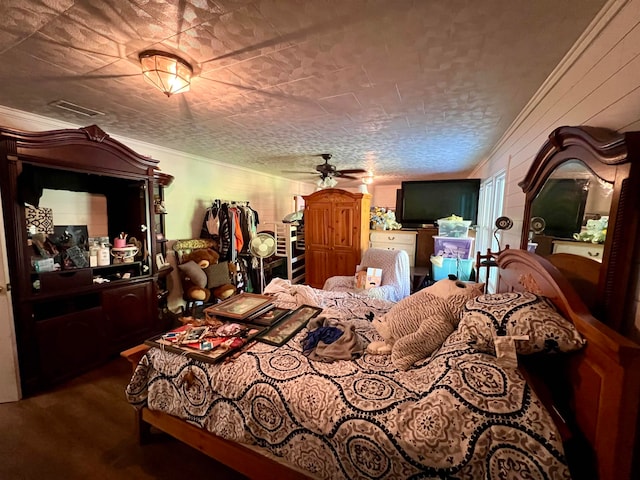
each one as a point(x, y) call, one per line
point(65, 280)
point(584, 249)
point(393, 236)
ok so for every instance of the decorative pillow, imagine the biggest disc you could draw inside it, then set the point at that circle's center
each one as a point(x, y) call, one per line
point(217, 274)
point(518, 313)
point(194, 273)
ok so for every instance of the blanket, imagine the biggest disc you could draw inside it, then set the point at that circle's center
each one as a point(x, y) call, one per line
point(458, 414)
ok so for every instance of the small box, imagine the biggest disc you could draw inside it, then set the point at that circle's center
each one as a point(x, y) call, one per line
point(459, 267)
point(369, 278)
point(453, 247)
point(453, 228)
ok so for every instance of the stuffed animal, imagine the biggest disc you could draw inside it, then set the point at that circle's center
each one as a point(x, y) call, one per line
point(202, 256)
point(417, 325)
point(195, 281)
point(595, 231)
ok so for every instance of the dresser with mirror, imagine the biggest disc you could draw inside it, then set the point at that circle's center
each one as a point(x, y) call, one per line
point(581, 213)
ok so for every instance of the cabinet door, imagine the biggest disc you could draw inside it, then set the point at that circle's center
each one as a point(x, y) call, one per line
point(71, 344)
point(346, 224)
point(317, 225)
point(317, 220)
point(132, 314)
point(345, 251)
point(317, 262)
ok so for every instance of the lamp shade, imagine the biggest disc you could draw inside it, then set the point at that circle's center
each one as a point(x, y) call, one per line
point(167, 72)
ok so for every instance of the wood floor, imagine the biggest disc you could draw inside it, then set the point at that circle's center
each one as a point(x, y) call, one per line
point(84, 429)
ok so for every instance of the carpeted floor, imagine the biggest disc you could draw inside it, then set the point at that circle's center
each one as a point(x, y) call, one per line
point(84, 429)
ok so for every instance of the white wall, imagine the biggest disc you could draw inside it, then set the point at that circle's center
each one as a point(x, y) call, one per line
point(597, 84)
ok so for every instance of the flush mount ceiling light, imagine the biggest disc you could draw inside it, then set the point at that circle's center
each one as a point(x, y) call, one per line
point(167, 72)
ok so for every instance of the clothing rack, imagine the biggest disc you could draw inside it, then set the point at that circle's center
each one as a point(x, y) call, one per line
point(234, 203)
point(233, 223)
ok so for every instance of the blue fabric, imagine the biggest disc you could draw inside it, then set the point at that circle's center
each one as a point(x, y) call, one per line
point(325, 334)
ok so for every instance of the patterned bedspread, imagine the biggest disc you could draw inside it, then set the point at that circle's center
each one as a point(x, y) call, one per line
point(455, 415)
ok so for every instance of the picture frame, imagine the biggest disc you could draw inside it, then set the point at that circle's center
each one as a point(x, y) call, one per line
point(269, 317)
point(240, 306)
point(290, 324)
point(160, 261)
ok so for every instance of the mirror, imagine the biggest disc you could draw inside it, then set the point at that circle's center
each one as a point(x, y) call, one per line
point(570, 213)
point(580, 213)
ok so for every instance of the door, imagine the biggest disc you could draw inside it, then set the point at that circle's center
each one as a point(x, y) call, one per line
point(9, 372)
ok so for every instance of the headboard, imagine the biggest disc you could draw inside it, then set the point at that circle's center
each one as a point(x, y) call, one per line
point(596, 390)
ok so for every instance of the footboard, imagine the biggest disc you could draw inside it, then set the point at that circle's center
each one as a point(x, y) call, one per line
point(597, 391)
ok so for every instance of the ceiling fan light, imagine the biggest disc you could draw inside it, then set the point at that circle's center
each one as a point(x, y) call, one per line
point(167, 72)
point(326, 182)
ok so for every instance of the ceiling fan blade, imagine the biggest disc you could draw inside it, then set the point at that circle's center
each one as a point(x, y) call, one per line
point(352, 170)
point(298, 171)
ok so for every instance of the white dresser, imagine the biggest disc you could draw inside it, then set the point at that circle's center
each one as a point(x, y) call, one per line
point(395, 240)
point(584, 249)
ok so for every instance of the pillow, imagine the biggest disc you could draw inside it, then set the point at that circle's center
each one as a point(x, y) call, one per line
point(194, 273)
point(217, 274)
point(518, 313)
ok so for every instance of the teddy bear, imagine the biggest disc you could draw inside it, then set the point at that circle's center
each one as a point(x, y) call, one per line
point(417, 325)
point(595, 231)
point(196, 284)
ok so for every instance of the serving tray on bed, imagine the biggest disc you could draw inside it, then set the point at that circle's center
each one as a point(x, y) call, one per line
point(206, 343)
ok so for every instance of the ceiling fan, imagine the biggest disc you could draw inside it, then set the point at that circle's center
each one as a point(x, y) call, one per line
point(328, 170)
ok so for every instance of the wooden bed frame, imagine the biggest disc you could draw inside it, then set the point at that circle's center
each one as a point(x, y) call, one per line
point(592, 395)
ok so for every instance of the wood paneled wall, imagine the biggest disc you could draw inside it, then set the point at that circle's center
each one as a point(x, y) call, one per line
point(597, 83)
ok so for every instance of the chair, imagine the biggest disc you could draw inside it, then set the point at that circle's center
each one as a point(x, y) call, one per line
point(487, 261)
point(396, 279)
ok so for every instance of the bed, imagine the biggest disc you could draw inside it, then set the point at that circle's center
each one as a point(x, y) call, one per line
point(457, 414)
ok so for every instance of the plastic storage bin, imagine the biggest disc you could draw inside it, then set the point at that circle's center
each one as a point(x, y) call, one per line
point(460, 267)
point(453, 228)
point(453, 247)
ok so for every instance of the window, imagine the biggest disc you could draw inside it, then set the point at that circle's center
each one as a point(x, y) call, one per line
point(490, 207)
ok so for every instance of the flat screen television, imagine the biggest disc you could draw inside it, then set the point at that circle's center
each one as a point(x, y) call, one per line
point(423, 202)
point(561, 204)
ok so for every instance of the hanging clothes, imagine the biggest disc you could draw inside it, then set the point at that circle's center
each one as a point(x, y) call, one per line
point(234, 224)
point(211, 222)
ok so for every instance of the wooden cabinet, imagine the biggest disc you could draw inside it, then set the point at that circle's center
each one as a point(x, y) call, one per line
point(336, 226)
point(396, 240)
point(70, 320)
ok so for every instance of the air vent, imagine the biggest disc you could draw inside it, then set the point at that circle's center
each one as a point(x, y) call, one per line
point(72, 107)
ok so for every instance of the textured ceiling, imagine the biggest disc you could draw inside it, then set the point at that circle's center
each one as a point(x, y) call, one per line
point(407, 89)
